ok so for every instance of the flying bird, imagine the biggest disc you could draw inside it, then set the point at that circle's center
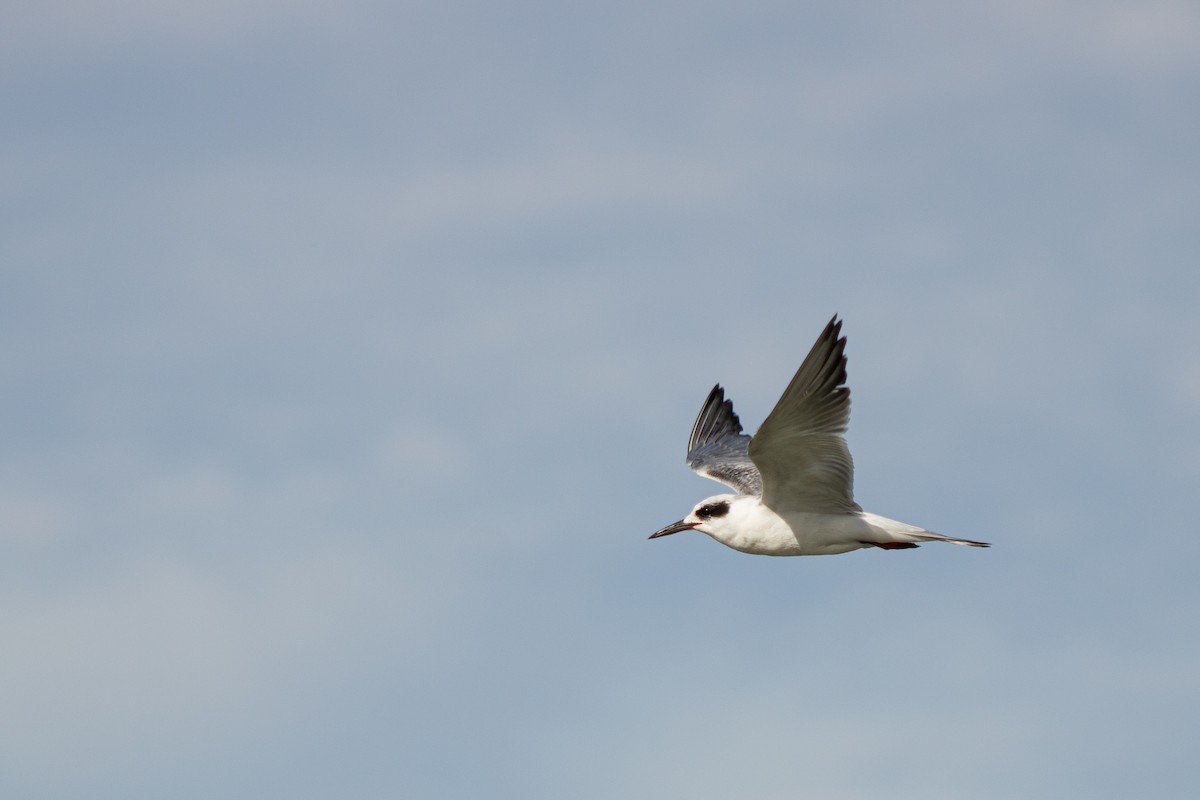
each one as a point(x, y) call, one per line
point(794, 478)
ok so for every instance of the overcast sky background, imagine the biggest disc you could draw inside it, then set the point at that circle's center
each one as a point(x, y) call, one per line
point(349, 352)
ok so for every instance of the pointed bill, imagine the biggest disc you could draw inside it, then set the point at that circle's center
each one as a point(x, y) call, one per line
point(674, 527)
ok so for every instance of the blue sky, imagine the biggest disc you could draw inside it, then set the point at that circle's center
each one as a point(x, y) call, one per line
point(350, 351)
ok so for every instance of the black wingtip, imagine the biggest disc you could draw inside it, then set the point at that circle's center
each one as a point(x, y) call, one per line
point(834, 327)
point(716, 419)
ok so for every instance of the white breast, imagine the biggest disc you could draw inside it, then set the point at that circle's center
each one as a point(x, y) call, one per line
point(751, 527)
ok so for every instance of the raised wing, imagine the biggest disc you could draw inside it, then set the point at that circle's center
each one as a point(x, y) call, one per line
point(717, 448)
point(801, 449)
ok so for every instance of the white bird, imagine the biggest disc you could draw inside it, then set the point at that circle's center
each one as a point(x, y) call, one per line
point(795, 478)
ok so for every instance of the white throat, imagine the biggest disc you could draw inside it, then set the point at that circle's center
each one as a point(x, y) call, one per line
point(748, 526)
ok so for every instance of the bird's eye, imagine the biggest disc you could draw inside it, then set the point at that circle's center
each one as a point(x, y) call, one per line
point(709, 510)
point(704, 512)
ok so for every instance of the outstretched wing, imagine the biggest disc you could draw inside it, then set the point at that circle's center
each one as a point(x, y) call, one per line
point(717, 448)
point(801, 449)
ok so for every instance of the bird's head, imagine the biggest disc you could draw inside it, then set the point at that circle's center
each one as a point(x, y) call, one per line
point(711, 516)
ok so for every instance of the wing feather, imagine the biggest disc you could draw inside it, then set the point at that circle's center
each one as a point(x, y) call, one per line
point(718, 449)
point(800, 450)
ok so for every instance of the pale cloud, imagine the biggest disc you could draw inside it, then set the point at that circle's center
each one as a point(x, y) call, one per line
point(160, 659)
point(1154, 37)
point(585, 178)
point(26, 518)
point(70, 34)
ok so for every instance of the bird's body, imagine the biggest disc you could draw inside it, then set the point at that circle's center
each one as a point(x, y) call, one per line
point(752, 527)
point(795, 477)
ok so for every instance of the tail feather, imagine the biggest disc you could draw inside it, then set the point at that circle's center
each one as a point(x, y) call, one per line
point(930, 536)
point(893, 534)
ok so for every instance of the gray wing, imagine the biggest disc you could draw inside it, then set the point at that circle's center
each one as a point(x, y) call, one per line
point(717, 448)
point(801, 448)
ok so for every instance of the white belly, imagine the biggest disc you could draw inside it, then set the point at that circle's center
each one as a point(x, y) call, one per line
point(769, 534)
point(751, 527)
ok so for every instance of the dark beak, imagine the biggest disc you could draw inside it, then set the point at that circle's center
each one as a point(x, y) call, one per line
point(674, 527)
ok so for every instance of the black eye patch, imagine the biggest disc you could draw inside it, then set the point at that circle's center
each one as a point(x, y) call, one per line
point(712, 510)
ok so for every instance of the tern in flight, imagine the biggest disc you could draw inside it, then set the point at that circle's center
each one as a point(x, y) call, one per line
point(794, 479)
